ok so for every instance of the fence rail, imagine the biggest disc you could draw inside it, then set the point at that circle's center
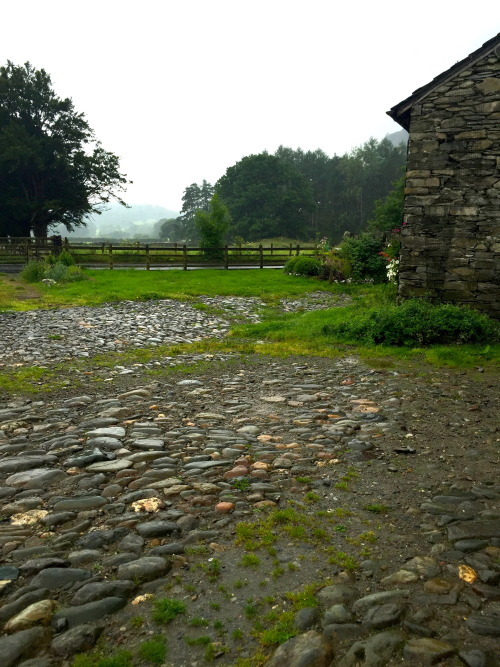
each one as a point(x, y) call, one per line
point(149, 255)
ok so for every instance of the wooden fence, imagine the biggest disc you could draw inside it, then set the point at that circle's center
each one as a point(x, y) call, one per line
point(150, 255)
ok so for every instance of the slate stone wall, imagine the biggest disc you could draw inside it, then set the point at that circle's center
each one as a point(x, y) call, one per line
point(451, 242)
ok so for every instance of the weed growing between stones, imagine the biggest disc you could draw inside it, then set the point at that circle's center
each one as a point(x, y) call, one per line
point(154, 650)
point(166, 609)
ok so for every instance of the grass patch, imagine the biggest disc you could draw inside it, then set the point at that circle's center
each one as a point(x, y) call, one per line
point(106, 286)
point(376, 508)
point(119, 659)
point(346, 330)
point(166, 609)
point(154, 650)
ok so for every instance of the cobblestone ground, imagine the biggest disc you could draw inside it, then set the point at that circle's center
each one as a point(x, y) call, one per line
point(298, 511)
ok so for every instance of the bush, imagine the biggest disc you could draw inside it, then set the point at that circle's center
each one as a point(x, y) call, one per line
point(66, 258)
point(305, 266)
point(363, 254)
point(334, 267)
point(34, 271)
point(290, 265)
point(415, 323)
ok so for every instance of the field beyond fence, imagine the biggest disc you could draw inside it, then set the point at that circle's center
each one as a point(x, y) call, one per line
point(149, 256)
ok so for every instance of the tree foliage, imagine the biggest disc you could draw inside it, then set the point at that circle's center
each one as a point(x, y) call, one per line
point(388, 212)
point(266, 197)
point(52, 168)
point(212, 227)
point(346, 188)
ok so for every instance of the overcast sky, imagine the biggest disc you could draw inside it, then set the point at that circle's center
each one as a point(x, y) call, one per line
point(183, 89)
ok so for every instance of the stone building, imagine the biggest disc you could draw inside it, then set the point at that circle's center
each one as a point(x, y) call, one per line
point(451, 236)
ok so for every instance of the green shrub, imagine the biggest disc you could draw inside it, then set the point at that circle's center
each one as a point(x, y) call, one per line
point(363, 254)
point(334, 267)
point(307, 266)
point(290, 265)
point(415, 323)
point(34, 271)
point(66, 258)
point(62, 273)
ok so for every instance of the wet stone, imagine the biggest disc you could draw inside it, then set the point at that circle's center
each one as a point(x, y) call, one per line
point(21, 644)
point(55, 578)
point(102, 589)
point(382, 616)
point(86, 613)
point(80, 504)
point(426, 651)
point(486, 622)
point(77, 640)
point(143, 569)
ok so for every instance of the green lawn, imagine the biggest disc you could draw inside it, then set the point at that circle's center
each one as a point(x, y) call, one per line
point(130, 285)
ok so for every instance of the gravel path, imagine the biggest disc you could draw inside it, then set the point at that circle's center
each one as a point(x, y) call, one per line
point(232, 489)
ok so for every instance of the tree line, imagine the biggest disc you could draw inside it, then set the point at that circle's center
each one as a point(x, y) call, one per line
point(53, 171)
point(296, 193)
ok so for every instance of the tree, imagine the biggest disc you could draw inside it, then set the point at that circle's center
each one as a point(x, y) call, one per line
point(388, 213)
point(212, 227)
point(52, 168)
point(266, 197)
point(196, 198)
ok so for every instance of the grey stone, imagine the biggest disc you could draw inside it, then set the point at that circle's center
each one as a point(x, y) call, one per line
point(77, 640)
point(8, 573)
point(151, 529)
point(13, 608)
point(486, 622)
point(331, 595)
point(468, 530)
point(307, 650)
point(107, 432)
point(338, 613)
point(305, 618)
point(55, 578)
point(39, 478)
point(80, 504)
point(374, 651)
point(427, 651)
point(363, 604)
point(20, 463)
point(34, 566)
point(21, 644)
point(102, 589)
point(382, 616)
point(87, 613)
point(144, 569)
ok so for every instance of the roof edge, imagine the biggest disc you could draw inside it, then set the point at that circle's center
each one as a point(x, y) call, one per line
point(401, 112)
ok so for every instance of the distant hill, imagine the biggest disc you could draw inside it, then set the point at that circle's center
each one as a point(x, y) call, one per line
point(121, 222)
point(397, 138)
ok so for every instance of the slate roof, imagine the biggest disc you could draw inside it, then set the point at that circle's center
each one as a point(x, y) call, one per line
point(401, 112)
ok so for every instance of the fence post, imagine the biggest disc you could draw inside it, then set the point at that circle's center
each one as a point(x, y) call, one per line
point(272, 249)
point(110, 255)
point(290, 252)
point(66, 243)
point(261, 257)
point(102, 250)
point(28, 248)
point(226, 257)
point(297, 252)
point(185, 256)
point(147, 257)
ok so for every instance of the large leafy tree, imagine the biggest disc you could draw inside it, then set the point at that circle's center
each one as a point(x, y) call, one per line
point(52, 168)
point(266, 197)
